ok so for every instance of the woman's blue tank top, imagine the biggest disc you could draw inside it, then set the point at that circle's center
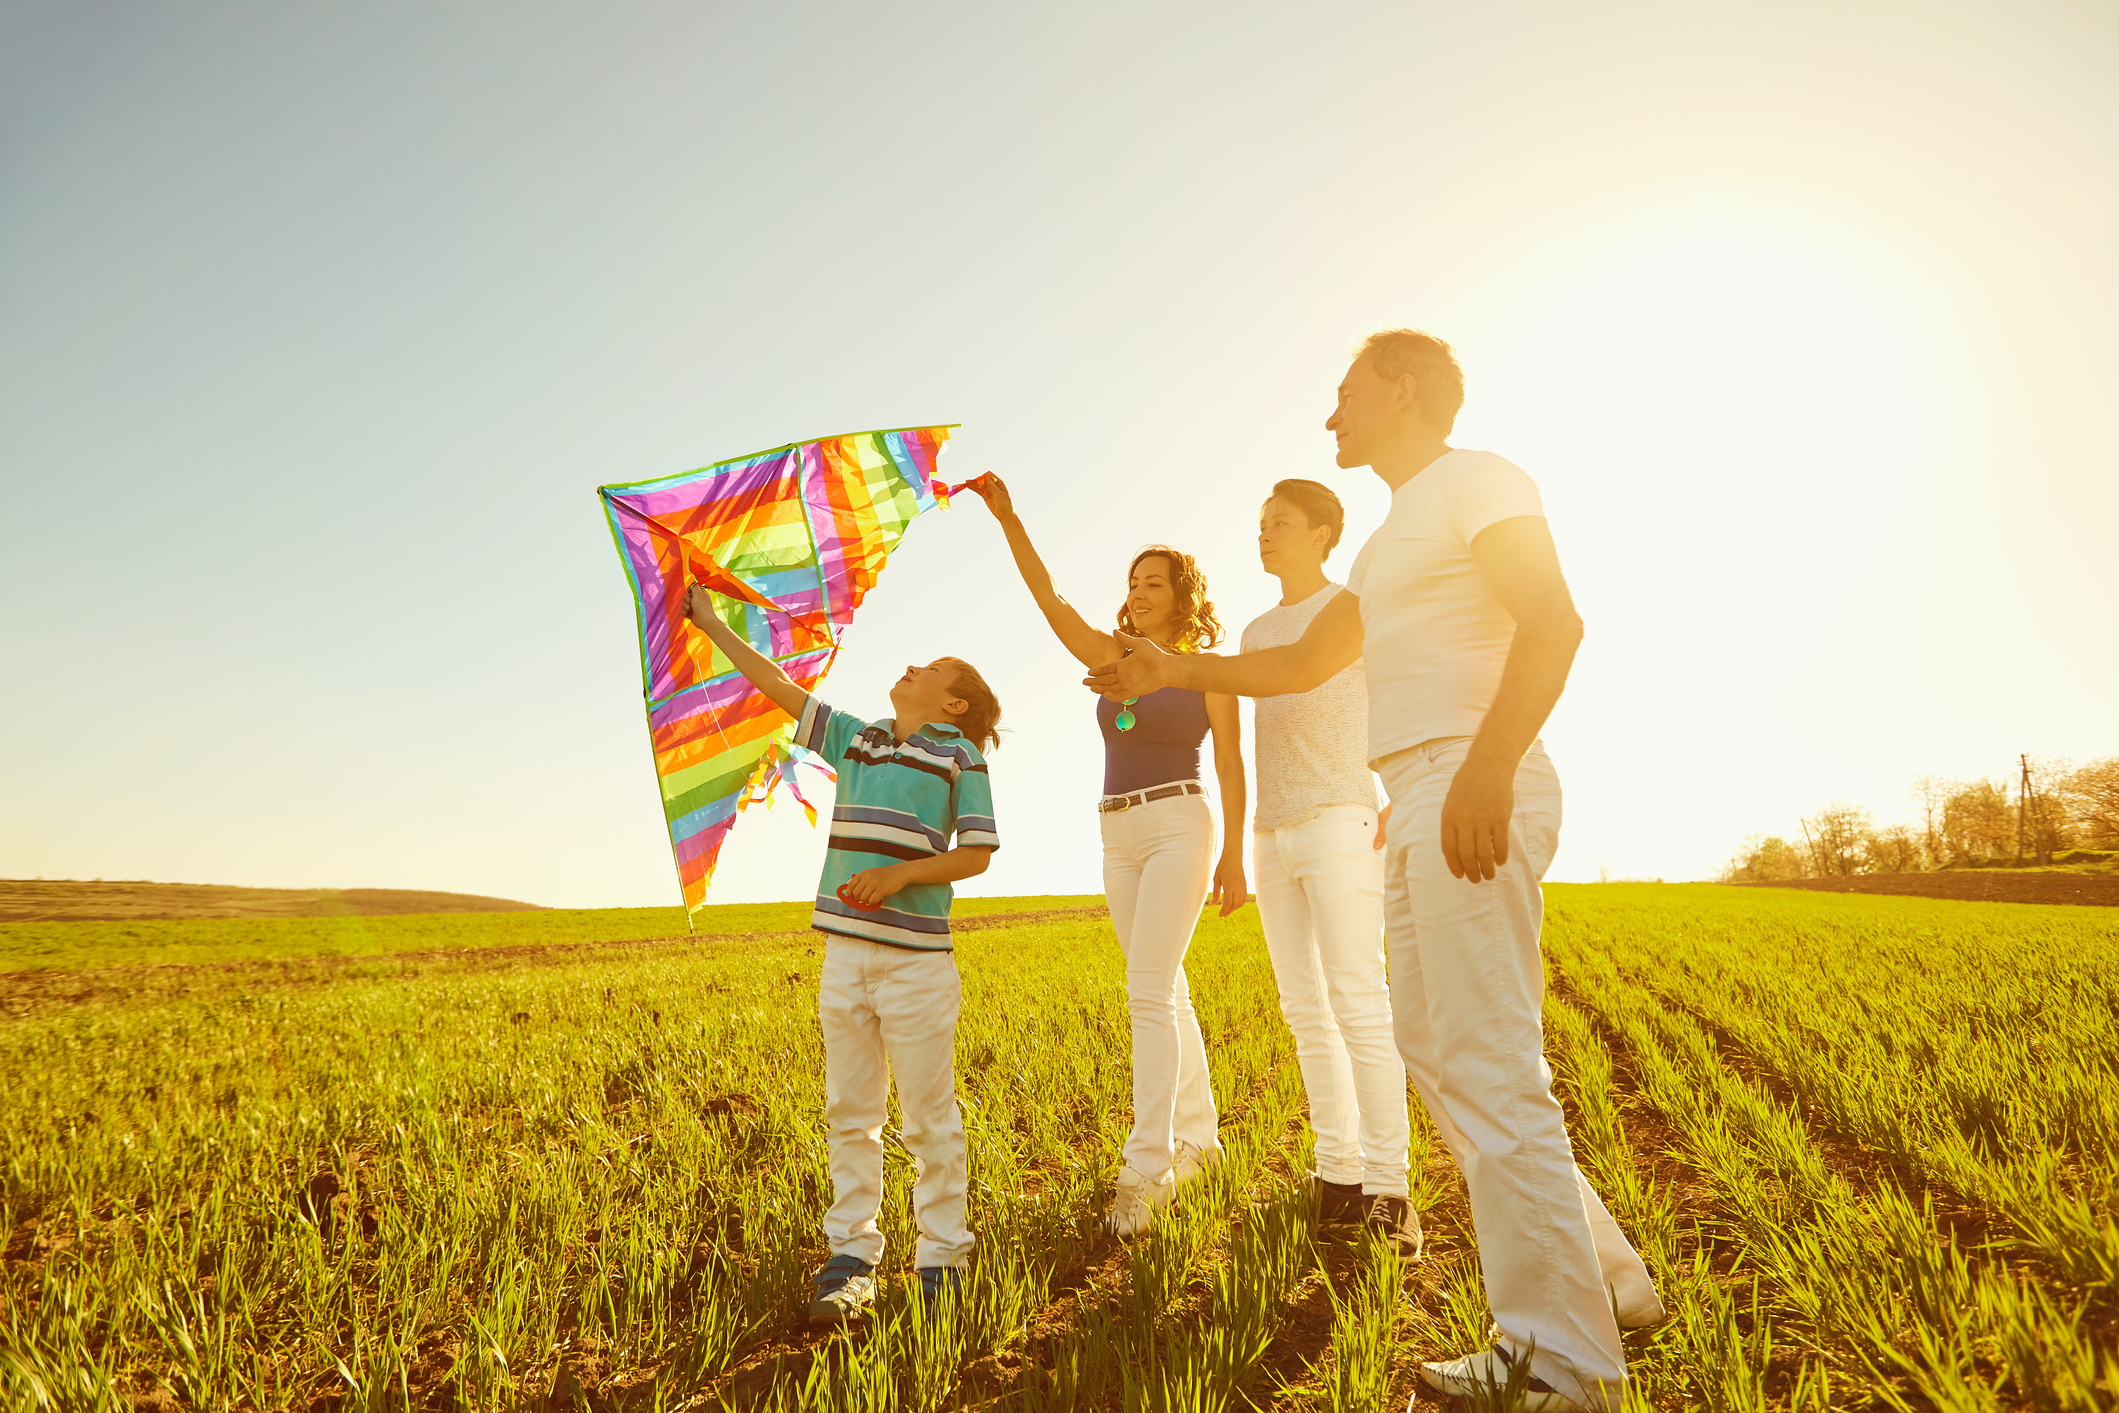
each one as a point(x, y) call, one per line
point(1163, 745)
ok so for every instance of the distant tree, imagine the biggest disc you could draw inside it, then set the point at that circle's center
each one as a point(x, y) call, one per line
point(1771, 859)
point(2047, 820)
point(2090, 794)
point(1978, 822)
point(1893, 850)
point(1837, 838)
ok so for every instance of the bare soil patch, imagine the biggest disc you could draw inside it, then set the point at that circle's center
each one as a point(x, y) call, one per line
point(24, 992)
point(69, 900)
point(1979, 885)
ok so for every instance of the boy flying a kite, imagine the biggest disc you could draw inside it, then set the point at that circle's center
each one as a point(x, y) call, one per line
point(889, 993)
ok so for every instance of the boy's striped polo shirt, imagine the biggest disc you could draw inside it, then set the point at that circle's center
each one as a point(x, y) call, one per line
point(897, 800)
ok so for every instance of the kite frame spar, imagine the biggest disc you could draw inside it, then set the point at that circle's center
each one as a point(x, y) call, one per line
point(918, 472)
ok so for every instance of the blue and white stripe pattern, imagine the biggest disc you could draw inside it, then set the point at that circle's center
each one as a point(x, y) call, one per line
point(897, 800)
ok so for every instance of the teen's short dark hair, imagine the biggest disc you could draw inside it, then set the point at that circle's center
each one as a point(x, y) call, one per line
point(1318, 505)
point(981, 721)
point(1394, 353)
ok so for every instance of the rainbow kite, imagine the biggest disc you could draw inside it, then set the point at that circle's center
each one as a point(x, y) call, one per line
point(788, 541)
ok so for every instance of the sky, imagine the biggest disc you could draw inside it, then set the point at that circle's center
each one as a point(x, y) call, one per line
point(320, 324)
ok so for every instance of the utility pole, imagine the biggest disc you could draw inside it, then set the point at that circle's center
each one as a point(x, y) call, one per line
point(2023, 799)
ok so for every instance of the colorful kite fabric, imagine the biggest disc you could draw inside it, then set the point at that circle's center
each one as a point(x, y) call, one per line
point(788, 541)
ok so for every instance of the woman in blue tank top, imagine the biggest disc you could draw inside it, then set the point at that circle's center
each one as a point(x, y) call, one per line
point(1159, 851)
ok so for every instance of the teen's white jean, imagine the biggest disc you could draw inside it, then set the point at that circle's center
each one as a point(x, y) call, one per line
point(1158, 869)
point(1320, 896)
point(886, 1012)
point(1467, 988)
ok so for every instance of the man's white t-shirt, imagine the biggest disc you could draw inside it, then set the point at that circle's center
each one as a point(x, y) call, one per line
point(1435, 634)
point(1311, 745)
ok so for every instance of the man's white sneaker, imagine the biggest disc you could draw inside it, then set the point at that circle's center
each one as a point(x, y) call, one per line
point(1134, 1202)
point(1488, 1372)
point(1190, 1160)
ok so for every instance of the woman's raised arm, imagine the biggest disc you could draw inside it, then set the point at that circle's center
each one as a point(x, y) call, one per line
point(1089, 646)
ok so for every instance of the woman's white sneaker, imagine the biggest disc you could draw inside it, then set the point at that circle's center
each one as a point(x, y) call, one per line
point(1190, 1160)
point(1135, 1199)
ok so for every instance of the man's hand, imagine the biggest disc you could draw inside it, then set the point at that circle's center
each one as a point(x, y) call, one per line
point(1383, 828)
point(1230, 888)
point(1475, 817)
point(871, 886)
point(1147, 670)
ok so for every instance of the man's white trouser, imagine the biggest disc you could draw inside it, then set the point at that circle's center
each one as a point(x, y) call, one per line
point(1158, 868)
point(1320, 896)
point(1467, 985)
point(889, 1011)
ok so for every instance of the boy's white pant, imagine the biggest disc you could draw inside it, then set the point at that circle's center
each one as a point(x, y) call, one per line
point(1320, 896)
point(885, 1011)
point(1467, 987)
point(1158, 868)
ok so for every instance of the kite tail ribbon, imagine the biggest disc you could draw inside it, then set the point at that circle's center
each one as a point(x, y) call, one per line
point(976, 483)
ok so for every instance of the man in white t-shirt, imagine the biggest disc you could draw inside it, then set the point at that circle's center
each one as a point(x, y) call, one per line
point(1468, 631)
point(1318, 859)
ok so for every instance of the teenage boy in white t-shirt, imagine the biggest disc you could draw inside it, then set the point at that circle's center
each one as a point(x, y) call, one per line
point(1317, 842)
point(1459, 609)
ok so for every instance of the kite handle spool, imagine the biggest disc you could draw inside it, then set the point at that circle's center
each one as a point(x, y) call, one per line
point(851, 903)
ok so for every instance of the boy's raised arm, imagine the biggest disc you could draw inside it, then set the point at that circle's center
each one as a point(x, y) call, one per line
point(763, 672)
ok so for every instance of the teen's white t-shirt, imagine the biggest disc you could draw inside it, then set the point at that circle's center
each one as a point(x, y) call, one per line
point(1312, 746)
point(1435, 635)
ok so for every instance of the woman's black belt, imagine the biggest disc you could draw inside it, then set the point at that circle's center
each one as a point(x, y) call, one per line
point(1112, 803)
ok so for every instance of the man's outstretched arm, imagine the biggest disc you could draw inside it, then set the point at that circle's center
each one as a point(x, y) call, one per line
point(1520, 563)
point(1332, 642)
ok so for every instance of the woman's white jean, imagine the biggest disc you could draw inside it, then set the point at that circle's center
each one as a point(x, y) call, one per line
point(1158, 868)
point(1320, 896)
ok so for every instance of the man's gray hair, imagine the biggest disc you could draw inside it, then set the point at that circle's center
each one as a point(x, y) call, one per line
point(1393, 353)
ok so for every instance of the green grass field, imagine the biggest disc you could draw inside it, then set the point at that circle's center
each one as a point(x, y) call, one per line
point(1870, 1146)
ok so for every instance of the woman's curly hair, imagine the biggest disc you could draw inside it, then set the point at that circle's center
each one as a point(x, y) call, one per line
point(1198, 628)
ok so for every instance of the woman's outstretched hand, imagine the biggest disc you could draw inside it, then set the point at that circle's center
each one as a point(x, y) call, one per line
point(994, 491)
point(1144, 669)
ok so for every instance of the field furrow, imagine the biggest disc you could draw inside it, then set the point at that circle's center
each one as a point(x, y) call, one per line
point(1867, 1285)
point(1865, 1146)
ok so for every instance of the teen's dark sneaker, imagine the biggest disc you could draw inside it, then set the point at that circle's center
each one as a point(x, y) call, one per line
point(1339, 1204)
point(844, 1289)
point(1494, 1374)
point(936, 1281)
point(1399, 1223)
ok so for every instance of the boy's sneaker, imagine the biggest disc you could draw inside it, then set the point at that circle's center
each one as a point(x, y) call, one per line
point(1399, 1223)
point(1189, 1160)
point(1339, 1204)
point(937, 1281)
point(845, 1288)
point(1134, 1202)
point(1489, 1373)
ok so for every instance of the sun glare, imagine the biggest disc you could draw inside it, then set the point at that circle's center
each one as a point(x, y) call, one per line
point(1727, 430)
